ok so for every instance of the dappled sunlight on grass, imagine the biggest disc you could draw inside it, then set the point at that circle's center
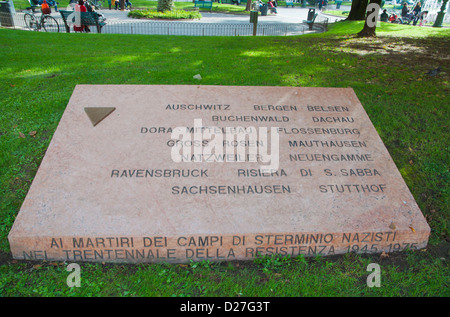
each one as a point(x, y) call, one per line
point(6, 71)
point(378, 46)
point(35, 72)
point(254, 53)
point(175, 50)
point(391, 29)
point(387, 29)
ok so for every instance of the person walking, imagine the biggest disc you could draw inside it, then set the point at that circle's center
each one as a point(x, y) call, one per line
point(416, 12)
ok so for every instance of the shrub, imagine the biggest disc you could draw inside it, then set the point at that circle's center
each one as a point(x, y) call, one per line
point(170, 15)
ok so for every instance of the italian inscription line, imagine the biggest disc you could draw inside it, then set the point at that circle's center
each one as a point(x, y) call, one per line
point(217, 247)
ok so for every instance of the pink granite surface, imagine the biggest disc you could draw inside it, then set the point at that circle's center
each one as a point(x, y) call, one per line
point(336, 190)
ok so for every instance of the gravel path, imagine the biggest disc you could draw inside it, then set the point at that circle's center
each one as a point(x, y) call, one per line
point(285, 15)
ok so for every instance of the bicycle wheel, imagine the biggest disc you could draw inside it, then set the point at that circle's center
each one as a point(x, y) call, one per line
point(30, 22)
point(50, 24)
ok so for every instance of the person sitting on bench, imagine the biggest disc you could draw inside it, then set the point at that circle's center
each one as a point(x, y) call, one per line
point(272, 6)
point(384, 16)
point(80, 7)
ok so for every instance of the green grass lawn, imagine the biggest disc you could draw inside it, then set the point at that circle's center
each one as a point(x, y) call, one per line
point(409, 109)
point(338, 13)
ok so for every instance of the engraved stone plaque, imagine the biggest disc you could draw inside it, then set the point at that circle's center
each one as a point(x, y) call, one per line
point(180, 173)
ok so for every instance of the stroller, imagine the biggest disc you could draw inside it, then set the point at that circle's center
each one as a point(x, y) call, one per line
point(407, 19)
point(393, 18)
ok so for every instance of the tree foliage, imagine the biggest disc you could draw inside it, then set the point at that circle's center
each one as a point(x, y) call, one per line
point(248, 6)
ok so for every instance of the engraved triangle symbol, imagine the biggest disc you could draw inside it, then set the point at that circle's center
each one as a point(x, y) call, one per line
point(97, 114)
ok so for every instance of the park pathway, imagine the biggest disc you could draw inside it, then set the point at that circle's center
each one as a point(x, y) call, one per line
point(288, 21)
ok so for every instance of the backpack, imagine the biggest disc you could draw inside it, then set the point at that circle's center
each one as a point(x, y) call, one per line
point(45, 8)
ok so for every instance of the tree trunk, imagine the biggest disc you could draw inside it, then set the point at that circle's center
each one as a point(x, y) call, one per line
point(358, 10)
point(371, 20)
point(249, 5)
point(164, 5)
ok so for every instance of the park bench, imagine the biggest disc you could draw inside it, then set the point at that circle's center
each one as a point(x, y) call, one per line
point(310, 22)
point(204, 4)
point(87, 18)
point(289, 3)
point(34, 5)
point(238, 2)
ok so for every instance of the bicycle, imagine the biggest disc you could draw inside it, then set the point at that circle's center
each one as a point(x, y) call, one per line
point(45, 21)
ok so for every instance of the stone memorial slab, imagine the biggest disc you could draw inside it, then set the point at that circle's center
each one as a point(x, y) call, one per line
point(180, 173)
